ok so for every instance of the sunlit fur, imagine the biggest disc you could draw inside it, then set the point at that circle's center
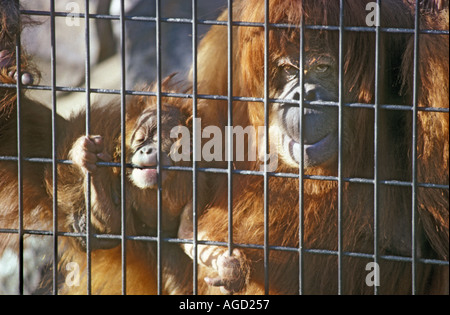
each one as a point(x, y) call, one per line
point(320, 197)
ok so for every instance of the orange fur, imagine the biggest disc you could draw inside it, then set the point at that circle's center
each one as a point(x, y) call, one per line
point(105, 268)
point(433, 155)
point(320, 226)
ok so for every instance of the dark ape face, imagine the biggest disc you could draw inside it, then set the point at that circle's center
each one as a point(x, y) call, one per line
point(144, 147)
point(320, 122)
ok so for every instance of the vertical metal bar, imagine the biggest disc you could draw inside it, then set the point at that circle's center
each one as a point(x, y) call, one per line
point(196, 138)
point(415, 217)
point(301, 158)
point(230, 125)
point(20, 163)
point(87, 68)
point(123, 146)
point(54, 148)
point(266, 146)
point(88, 133)
point(376, 139)
point(340, 136)
point(159, 194)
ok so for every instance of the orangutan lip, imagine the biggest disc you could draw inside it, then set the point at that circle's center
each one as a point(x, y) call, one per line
point(309, 147)
point(313, 154)
point(143, 167)
point(317, 143)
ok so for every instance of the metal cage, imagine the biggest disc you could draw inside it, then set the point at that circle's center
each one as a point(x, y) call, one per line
point(123, 92)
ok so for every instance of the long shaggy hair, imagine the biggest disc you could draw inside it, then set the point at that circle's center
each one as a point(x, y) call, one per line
point(320, 197)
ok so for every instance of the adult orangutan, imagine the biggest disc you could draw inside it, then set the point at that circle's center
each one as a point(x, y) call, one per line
point(336, 222)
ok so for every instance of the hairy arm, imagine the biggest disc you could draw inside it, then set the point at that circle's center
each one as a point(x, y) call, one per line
point(232, 270)
point(105, 209)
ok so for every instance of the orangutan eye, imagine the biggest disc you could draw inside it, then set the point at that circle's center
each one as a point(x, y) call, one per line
point(139, 137)
point(322, 68)
point(291, 71)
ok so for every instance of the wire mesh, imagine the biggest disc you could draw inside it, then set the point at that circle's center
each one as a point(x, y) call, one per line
point(123, 92)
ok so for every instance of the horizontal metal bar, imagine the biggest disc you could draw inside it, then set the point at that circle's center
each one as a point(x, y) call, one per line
point(225, 98)
point(234, 23)
point(242, 172)
point(226, 244)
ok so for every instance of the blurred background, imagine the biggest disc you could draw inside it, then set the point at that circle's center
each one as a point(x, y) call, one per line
point(176, 44)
